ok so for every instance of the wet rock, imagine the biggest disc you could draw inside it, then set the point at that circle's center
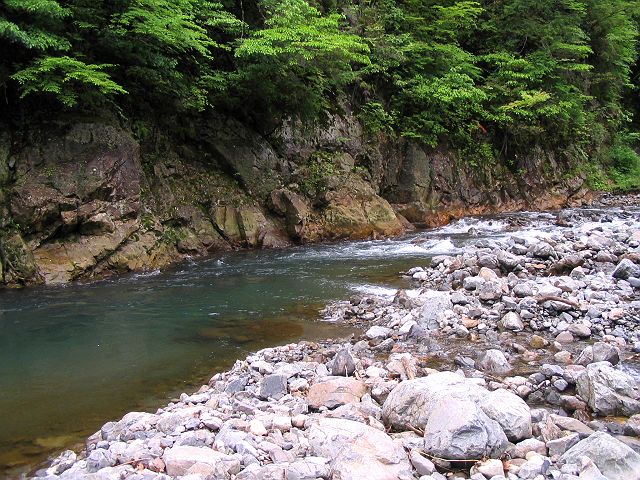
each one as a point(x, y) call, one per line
point(358, 451)
point(493, 361)
point(612, 457)
point(343, 364)
point(511, 412)
point(609, 391)
point(335, 391)
point(538, 342)
point(458, 429)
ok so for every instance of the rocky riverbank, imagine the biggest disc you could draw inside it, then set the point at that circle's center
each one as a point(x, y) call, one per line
point(517, 358)
point(85, 200)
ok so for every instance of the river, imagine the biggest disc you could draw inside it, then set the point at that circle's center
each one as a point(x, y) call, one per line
point(74, 357)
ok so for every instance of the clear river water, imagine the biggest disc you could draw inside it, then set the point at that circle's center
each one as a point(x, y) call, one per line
point(74, 357)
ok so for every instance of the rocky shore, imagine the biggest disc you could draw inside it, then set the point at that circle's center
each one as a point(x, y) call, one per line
point(515, 359)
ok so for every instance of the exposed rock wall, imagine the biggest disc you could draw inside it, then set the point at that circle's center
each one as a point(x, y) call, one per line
point(87, 199)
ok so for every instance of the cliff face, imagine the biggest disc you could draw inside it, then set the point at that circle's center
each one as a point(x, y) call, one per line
point(87, 199)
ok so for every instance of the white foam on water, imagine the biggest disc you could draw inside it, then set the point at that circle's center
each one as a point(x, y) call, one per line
point(443, 247)
point(463, 225)
point(152, 273)
point(409, 249)
point(375, 290)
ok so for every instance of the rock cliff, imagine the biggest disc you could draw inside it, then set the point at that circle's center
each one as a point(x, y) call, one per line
point(87, 199)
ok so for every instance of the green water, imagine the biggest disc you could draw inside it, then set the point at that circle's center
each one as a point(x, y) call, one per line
point(72, 358)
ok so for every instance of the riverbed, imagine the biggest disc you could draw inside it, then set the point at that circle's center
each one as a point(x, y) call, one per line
point(73, 357)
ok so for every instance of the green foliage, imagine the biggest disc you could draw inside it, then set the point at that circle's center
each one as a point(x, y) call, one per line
point(32, 33)
point(66, 78)
point(623, 162)
point(375, 119)
point(299, 60)
point(490, 79)
point(316, 174)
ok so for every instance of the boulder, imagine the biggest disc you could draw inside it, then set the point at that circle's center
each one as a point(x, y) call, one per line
point(510, 411)
point(579, 330)
point(435, 303)
point(378, 332)
point(613, 458)
point(458, 429)
point(358, 451)
point(343, 364)
point(411, 402)
point(609, 391)
point(294, 209)
point(273, 386)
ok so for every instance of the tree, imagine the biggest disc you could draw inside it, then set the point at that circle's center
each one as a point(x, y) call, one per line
point(297, 62)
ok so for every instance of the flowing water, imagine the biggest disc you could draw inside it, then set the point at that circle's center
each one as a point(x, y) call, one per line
point(74, 357)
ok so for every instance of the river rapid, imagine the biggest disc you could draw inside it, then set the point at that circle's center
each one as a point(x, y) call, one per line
point(74, 357)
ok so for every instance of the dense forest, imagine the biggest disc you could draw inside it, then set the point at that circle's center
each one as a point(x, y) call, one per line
point(487, 78)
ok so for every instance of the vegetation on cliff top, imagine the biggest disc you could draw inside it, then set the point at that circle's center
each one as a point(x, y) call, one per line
point(490, 79)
